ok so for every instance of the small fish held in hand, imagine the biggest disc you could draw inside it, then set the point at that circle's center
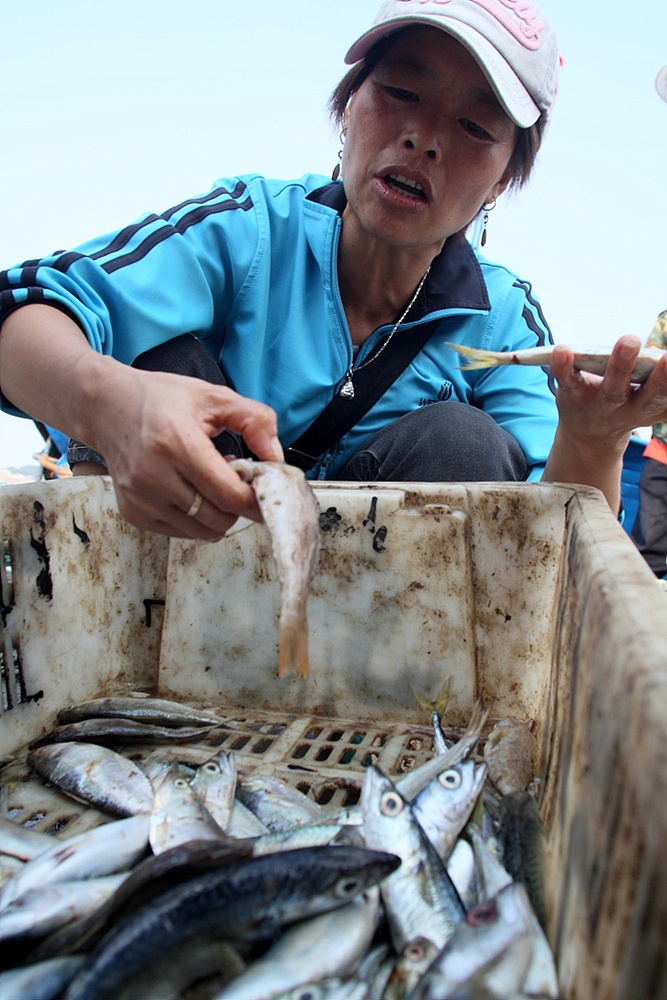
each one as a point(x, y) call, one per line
point(292, 515)
point(593, 360)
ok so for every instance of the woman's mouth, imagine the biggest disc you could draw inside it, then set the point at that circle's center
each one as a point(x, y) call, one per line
point(403, 185)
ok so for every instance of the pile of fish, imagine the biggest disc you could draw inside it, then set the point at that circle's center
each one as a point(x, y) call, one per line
point(208, 881)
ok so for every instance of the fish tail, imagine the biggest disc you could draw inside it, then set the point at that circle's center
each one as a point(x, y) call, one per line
point(473, 357)
point(293, 648)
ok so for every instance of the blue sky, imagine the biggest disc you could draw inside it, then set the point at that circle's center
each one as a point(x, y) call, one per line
point(113, 108)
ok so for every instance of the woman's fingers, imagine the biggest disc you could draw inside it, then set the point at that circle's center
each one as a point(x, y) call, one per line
point(168, 475)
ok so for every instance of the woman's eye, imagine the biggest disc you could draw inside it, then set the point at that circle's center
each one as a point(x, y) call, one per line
point(474, 129)
point(401, 94)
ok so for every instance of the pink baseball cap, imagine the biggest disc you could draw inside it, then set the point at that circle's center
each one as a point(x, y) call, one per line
point(661, 83)
point(510, 39)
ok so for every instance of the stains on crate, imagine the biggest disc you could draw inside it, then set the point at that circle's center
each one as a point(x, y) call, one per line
point(149, 604)
point(330, 520)
point(379, 533)
point(82, 535)
point(44, 580)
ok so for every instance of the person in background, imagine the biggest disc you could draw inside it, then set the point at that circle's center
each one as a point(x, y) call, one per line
point(234, 319)
point(649, 531)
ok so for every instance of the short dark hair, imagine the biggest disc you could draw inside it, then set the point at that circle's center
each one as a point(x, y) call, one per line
point(527, 143)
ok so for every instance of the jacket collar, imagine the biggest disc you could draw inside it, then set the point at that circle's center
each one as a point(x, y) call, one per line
point(455, 280)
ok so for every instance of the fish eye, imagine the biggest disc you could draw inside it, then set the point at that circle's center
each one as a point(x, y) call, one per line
point(415, 951)
point(181, 783)
point(450, 779)
point(391, 804)
point(350, 885)
point(309, 993)
point(482, 915)
point(210, 767)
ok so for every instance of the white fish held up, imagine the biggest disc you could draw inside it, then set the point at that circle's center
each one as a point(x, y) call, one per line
point(292, 515)
point(593, 360)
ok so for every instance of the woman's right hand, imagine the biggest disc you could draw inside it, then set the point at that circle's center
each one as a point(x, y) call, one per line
point(153, 428)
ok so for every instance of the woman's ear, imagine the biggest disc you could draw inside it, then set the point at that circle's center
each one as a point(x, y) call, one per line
point(499, 188)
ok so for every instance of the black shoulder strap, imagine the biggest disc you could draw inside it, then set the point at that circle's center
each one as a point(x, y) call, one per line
point(370, 383)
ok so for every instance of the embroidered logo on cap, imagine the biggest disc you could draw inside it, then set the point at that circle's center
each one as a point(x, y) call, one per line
point(527, 31)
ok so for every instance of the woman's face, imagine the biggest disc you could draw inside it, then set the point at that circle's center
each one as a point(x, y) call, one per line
point(427, 143)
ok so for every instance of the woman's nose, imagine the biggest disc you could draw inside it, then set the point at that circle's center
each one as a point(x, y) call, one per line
point(430, 152)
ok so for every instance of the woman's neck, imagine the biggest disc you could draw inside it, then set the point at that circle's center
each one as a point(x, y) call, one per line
point(374, 291)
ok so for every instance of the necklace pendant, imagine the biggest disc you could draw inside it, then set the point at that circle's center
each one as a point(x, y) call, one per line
point(347, 388)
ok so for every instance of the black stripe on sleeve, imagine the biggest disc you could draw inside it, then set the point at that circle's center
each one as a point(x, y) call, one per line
point(65, 261)
point(527, 289)
point(122, 238)
point(211, 196)
point(191, 219)
point(28, 275)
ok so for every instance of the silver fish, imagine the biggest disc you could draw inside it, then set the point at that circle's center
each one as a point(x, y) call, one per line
point(160, 711)
point(113, 730)
point(275, 803)
point(104, 850)
point(419, 898)
point(21, 841)
point(244, 823)
point(410, 784)
point(146, 880)
point(292, 515)
point(249, 900)
point(9, 866)
point(490, 949)
point(178, 816)
point(409, 967)
point(594, 360)
point(214, 784)
point(325, 946)
point(541, 977)
point(306, 835)
point(442, 808)
point(333, 988)
point(96, 775)
point(43, 910)
point(40, 981)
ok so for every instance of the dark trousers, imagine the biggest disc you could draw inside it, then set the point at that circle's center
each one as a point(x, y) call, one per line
point(649, 532)
point(442, 442)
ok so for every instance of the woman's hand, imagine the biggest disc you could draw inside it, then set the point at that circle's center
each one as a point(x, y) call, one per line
point(154, 430)
point(598, 414)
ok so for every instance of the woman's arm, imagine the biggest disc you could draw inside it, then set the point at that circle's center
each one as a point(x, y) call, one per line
point(153, 428)
point(597, 416)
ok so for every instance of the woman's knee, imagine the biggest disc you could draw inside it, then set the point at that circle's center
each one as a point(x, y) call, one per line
point(446, 442)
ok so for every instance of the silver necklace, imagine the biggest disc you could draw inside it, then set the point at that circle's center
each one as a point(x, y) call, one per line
point(347, 388)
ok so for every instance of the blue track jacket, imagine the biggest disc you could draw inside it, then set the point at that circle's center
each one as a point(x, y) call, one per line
point(251, 270)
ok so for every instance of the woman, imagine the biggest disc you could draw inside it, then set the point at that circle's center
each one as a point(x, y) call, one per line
point(296, 293)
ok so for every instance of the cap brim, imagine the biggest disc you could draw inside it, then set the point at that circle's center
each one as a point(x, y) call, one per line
point(661, 83)
point(507, 86)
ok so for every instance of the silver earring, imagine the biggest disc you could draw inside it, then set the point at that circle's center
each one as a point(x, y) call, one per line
point(487, 209)
point(336, 170)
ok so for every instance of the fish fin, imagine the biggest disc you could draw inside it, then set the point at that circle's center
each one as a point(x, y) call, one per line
point(441, 700)
point(475, 358)
point(293, 649)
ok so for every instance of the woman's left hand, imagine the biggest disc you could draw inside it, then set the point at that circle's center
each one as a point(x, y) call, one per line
point(607, 408)
point(597, 415)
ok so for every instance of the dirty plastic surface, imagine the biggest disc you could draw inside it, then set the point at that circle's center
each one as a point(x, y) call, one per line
point(531, 596)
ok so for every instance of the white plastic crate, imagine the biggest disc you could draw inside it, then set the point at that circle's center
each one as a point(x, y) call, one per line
point(531, 596)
